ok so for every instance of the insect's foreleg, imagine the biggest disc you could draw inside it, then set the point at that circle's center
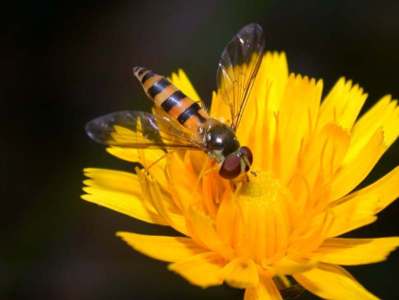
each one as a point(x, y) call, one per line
point(205, 171)
point(163, 156)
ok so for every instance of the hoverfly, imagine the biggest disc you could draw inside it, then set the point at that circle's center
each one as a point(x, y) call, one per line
point(179, 122)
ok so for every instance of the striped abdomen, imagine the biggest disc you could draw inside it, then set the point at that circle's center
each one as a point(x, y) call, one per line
point(169, 98)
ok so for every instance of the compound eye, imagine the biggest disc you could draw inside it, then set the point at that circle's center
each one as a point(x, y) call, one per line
point(246, 152)
point(231, 167)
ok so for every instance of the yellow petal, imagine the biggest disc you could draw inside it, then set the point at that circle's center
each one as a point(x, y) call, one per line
point(274, 69)
point(264, 218)
point(263, 103)
point(152, 159)
point(266, 290)
point(351, 174)
point(128, 154)
point(181, 81)
point(342, 104)
point(324, 153)
point(112, 180)
point(332, 282)
point(133, 155)
point(376, 130)
point(335, 147)
point(241, 273)
point(289, 266)
point(296, 121)
point(383, 115)
point(343, 251)
point(165, 248)
point(180, 176)
point(271, 85)
point(360, 207)
point(155, 198)
point(202, 229)
point(203, 270)
point(118, 191)
point(227, 220)
point(308, 237)
point(384, 191)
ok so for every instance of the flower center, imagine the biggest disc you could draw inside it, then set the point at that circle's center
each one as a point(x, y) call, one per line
point(262, 202)
point(261, 185)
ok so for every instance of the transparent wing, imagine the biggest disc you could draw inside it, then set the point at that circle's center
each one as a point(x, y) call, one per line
point(137, 129)
point(237, 69)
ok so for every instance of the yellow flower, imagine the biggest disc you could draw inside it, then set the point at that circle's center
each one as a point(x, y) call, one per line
point(282, 222)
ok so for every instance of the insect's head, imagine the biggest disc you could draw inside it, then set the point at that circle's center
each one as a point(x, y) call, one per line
point(236, 163)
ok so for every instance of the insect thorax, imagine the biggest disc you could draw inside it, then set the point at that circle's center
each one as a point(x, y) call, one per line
point(219, 139)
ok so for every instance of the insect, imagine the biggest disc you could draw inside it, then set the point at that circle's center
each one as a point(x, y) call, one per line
point(178, 122)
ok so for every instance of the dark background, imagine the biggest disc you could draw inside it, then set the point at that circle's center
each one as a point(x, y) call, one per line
point(63, 63)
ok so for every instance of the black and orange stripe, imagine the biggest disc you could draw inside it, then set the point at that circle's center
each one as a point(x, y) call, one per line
point(173, 101)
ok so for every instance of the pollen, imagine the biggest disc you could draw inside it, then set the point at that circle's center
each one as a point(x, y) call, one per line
point(262, 186)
